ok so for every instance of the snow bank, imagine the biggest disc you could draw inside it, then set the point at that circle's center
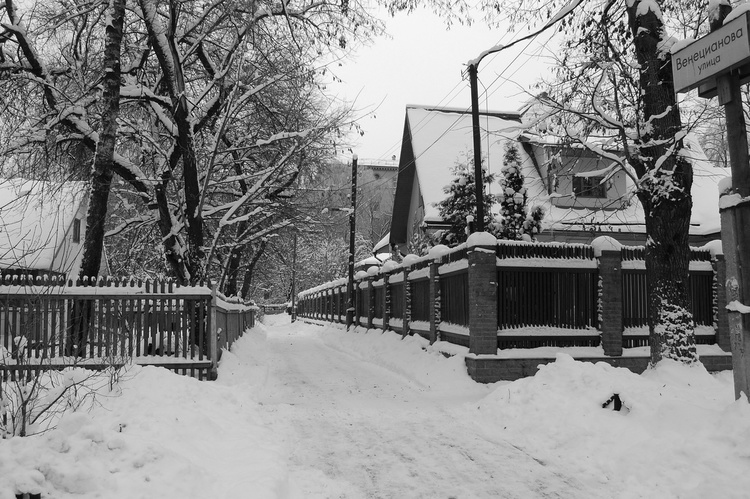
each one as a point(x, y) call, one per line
point(162, 435)
point(673, 414)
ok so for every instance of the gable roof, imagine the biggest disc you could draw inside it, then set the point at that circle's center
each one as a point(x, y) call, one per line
point(35, 218)
point(442, 138)
point(436, 139)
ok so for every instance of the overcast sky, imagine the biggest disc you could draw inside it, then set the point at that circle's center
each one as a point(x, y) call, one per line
point(421, 63)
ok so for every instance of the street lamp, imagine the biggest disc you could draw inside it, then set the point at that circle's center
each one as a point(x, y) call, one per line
point(478, 183)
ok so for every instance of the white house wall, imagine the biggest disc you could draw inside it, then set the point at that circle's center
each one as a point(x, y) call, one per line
point(69, 254)
point(35, 220)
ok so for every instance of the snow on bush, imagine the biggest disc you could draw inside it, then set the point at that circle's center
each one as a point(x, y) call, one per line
point(516, 222)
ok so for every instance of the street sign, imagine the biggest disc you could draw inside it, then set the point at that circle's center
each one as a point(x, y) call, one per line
point(716, 53)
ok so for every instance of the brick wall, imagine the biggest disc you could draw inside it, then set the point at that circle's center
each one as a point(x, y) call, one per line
point(482, 300)
point(610, 275)
point(482, 290)
point(490, 370)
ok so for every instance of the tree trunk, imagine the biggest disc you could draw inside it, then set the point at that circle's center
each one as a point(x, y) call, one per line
point(192, 255)
point(666, 179)
point(172, 242)
point(101, 175)
point(233, 266)
point(251, 266)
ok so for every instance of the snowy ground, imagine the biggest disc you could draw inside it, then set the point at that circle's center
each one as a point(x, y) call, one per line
point(303, 411)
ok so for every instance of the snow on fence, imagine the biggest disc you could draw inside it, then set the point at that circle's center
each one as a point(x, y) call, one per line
point(548, 294)
point(47, 322)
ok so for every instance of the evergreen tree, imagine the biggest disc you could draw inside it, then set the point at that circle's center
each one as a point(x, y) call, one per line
point(514, 223)
point(460, 202)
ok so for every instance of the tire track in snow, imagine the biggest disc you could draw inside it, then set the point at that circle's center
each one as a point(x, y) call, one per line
point(356, 430)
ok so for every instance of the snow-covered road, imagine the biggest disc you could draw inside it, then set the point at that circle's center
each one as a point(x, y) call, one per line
point(355, 429)
point(302, 411)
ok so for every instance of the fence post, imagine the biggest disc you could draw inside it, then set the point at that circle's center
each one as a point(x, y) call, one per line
point(610, 301)
point(329, 305)
point(212, 340)
point(356, 303)
point(370, 302)
point(386, 302)
point(406, 302)
point(482, 294)
point(434, 301)
point(722, 320)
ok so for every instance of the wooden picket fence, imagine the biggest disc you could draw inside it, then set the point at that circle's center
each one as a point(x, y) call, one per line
point(47, 322)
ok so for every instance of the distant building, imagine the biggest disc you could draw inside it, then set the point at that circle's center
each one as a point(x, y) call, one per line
point(382, 169)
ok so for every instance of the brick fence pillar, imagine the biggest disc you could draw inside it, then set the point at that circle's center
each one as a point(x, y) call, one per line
point(406, 303)
point(482, 299)
point(434, 301)
point(356, 292)
point(722, 320)
point(370, 302)
point(610, 275)
point(329, 304)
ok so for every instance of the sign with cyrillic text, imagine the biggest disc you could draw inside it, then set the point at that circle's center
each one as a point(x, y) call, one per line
point(716, 53)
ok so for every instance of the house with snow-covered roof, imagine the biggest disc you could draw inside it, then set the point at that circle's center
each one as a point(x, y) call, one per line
point(582, 196)
point(42, 226)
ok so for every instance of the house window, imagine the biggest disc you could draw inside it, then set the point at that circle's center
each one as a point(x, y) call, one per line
point(589, 187)
point(77, 230)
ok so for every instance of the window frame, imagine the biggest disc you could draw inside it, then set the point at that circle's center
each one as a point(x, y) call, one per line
point(76, 230)
point(589, 187)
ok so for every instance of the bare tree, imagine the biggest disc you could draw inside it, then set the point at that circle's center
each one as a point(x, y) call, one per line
point(220, 109)
point(613, 89)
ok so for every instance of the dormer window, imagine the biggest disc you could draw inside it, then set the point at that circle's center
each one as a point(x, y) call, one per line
point(589, 187)
point(77, 230)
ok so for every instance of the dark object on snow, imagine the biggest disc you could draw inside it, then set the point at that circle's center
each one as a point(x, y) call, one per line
point(615, 400)
point(29, 496)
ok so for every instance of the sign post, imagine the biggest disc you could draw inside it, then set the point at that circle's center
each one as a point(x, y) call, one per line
point(719, 64)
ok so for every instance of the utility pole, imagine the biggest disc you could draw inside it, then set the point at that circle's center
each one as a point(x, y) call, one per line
point(735, 221)
point(352, 227)
point(294, 278)
point(478, 183)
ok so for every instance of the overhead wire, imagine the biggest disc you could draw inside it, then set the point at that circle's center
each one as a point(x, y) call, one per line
point(426, 120)
point(450, 96)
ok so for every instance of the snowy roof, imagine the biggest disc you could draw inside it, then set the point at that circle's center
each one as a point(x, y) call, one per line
point(382, 244)
point(34, 219)
point(442, 138)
